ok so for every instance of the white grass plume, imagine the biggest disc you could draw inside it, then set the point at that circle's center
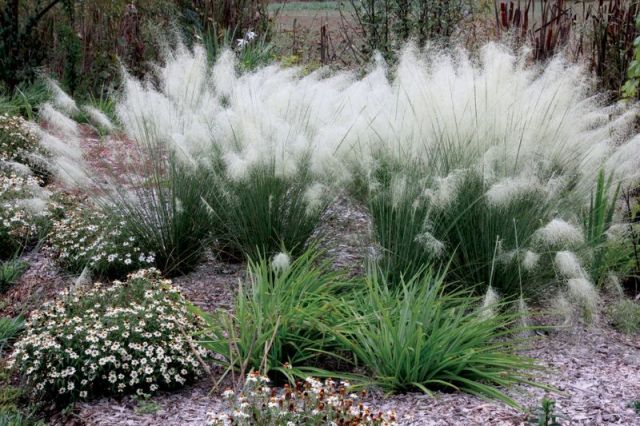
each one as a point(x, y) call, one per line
point(57, 120)
point(583, 292)
point(98, 118)
point(530, 260)
point(568, 264)
point(61, 99)
point(489, 303)
point(509, 189)
point(281, 262)
point(560, 232)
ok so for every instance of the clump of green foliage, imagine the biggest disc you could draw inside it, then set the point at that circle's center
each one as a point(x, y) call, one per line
point(10, 273)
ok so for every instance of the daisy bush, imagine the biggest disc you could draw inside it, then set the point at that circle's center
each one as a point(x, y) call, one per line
point(312, 402)
point(20, 149)
point(24, 213)
point(87, 237)
point(130, 337)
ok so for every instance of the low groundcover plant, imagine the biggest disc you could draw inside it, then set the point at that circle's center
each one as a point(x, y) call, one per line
point(130, 337)
point(87, 237)
point(312, 402)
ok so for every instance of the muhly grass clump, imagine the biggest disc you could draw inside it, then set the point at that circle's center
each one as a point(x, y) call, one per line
point(128, 337)
point(498, 155)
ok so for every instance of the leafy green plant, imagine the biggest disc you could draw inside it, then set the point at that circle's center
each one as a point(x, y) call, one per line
point(276, 319)
point(9, 330)
point(597, 221)
point(636, 406)
point(10, 273)
point(625, 316)
point(131, 337)
point(24, 99)
point(630, 87)
point(417, 336)
point(545, 414)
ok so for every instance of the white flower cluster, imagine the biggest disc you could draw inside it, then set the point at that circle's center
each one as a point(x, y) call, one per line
point(311, 402)
point(88, 237)
point(23, 211)
point(131, 337)
point(19, 145)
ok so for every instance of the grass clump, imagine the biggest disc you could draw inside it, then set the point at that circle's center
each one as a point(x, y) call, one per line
point(419, 337)
point(277, 317)
point(10, 273)
point(9, 330)
point(625, 316)
point(130, 337)
point(262, 212)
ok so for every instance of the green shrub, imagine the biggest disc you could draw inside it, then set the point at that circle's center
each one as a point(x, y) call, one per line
point(87, 237)
point(625, 316)
point(417, 337)
point(131, 337)
point(277, 315)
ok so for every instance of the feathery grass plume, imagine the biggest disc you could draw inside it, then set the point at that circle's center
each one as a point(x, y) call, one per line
point(560, 233)
point(489, 303)
point(583, 292)
point(563, 308)
point(61, 99)
point(504, 191)
point(568, 264)
point(281, 262)
point(524, 317)
point(98, 118)
point(58, 121)
point(530, 260)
